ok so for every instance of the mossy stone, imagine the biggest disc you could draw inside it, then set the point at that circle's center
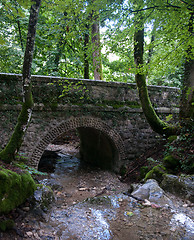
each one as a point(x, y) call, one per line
point(14, 189)
point(6, 225)
point(181, 186)
point(156, 173)
point(103, 200)
point(123, 170)
point(143, 171)
point(170, 162)
point(44, 197)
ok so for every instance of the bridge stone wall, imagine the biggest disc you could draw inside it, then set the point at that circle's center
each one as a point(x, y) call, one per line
point(112, 109)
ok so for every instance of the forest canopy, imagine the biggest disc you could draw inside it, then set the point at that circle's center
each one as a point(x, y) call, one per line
point(67, 43)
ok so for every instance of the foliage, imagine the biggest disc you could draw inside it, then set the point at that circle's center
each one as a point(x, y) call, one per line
point(63, 24)
point(167, 38)
point(32, 171)
point(180, 152)
point(6, 224)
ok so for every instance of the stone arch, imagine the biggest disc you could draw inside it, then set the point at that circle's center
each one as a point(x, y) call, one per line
point(76, 123)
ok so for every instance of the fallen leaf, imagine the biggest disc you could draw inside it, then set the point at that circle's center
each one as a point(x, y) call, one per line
point(59, 193)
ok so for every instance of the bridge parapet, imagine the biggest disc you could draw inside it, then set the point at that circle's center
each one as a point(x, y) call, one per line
point(48, 90)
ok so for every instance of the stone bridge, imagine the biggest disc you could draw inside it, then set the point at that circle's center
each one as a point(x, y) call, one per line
point(107, 117)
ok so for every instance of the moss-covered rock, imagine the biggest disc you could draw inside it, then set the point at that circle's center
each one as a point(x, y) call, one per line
point(143, 171)
point(102, 200)
point(156, 173)
point(6, 225)
point(14, 189)
point(182, 186)
point(43, 197)
point(171, 163)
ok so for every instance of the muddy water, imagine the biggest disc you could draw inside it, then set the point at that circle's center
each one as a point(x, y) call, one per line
point(90, 204)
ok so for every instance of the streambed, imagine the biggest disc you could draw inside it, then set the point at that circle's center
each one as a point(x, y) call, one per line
point(91, 204)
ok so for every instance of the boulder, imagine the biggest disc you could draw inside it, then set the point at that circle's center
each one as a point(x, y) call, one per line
point(14, 189)
point(43, 197)
point(152, 192)
point(157, 173)
point(182, 186)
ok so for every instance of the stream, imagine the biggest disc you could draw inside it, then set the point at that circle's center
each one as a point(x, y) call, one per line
point(90, 204)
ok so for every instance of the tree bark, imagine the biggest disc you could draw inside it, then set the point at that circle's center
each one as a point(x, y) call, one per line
point(96, 54)
point(59, 52)
point(86, 61)
point(186, 115)
point(8, 153)
point(155, 122)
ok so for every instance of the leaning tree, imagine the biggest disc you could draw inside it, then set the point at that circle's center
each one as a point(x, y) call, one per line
point(8, 153)
point(185, 9)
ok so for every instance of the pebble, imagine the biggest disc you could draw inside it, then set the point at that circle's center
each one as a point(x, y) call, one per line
point(36, 236)
point(129, 224)
point(26, 209)
point(29, 234)
point(83, 189)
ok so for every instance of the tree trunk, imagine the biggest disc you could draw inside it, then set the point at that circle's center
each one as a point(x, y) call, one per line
point(8, 154)
point(58, 54)
point(151, 50)
point(86, 60)
point(187, 97)
point(155, 122)
point(96, 54)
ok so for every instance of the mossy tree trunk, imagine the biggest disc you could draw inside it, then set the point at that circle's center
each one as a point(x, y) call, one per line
point(186, 115)
point(155, 122)
point(8, 153)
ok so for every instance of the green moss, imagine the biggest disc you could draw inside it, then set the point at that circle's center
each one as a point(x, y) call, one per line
point(172, 138)
point(116, 104)
point(6, 225)
point(53, 106)
point(103, 200)
point(170, 162)
point(123, 170)
point(3, 175)
point(8, 153)
point(14, 189)
point(45, 196)
point(156, 173)
point(106, 103)
point(143, 171)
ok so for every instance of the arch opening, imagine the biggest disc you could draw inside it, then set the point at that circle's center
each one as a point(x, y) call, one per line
point(96, 148)
point(64, 149)
point(100, 145)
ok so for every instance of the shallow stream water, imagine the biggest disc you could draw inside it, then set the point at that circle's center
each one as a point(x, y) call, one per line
point(90, 204)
